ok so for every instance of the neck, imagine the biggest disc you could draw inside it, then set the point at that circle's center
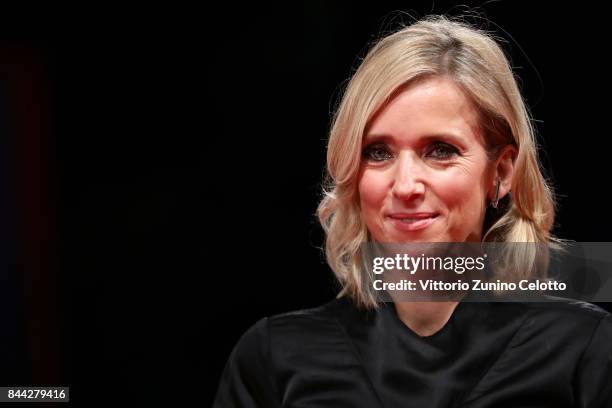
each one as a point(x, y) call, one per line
point(425, 318)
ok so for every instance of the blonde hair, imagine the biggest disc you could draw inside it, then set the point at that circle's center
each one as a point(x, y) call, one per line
point(434, 46)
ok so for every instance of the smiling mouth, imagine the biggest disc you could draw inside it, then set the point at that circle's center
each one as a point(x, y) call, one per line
point(412, 223)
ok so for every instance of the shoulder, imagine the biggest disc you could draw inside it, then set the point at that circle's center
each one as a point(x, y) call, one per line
point(566, 320)
point(324, 312)
point(273, 345)
point(309, 324)
point(582, 319)
point(303, 337)
point(247, 379)
point(281, 346)
point(297, 323)
point(570, 310)
point(582, 333)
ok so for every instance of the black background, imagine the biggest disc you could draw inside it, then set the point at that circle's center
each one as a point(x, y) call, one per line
point(182, 164)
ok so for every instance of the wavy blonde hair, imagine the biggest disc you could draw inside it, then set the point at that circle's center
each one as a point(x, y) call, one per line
point(433, 46)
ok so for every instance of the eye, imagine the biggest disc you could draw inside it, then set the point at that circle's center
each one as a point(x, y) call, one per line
point(377, 152)
point(442, 151)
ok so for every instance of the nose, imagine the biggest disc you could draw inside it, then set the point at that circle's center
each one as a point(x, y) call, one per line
point(409, 181)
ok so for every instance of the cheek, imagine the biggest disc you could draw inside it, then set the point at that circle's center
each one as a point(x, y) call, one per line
point(372, 190)
point(461, 194)
point(456, 190)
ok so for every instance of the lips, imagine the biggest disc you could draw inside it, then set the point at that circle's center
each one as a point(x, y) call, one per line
point(412, 216)
point(412, 221)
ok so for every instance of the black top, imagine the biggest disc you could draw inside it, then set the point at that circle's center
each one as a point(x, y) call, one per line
point(518, 354)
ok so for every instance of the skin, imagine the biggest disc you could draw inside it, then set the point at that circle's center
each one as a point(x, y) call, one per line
point(424, 152)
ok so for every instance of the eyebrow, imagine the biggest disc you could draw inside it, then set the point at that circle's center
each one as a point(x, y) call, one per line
point(444, 136)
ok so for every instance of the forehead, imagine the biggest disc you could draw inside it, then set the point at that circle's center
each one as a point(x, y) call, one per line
point(425, 108)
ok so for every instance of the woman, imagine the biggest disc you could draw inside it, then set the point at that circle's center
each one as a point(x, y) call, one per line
point(431, 143)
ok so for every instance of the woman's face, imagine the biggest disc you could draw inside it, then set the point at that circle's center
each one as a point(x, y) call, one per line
point(424, 173)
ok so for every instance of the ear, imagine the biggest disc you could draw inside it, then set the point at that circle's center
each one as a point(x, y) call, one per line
point(504, 170)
